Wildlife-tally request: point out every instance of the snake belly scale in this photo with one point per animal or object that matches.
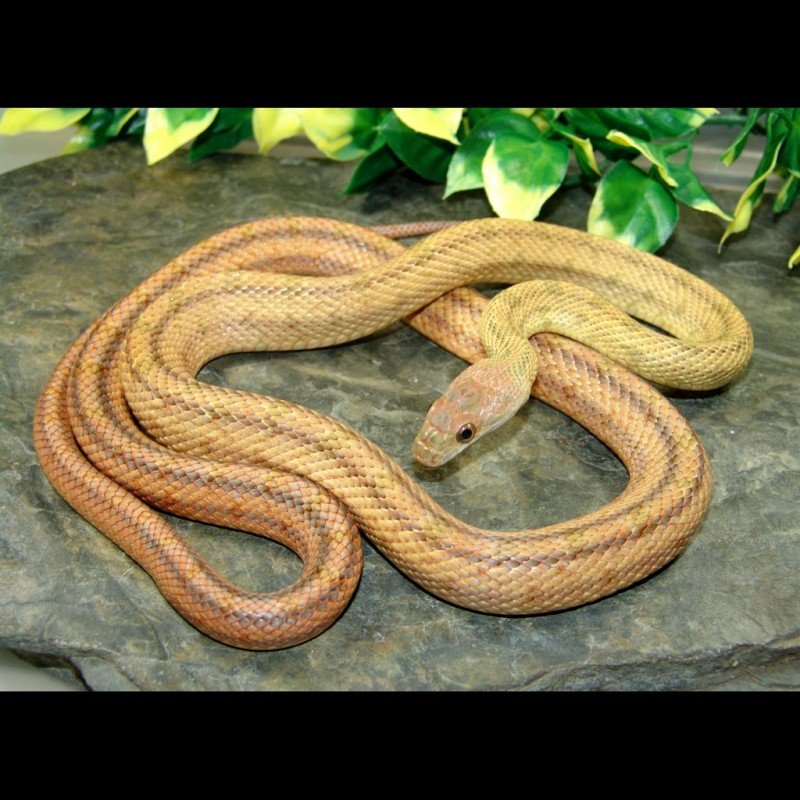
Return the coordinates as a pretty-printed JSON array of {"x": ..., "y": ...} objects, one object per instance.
[{"x": 264, "y": 465}]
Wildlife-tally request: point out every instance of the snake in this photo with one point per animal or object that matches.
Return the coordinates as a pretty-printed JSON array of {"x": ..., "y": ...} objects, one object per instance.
[{"x": 124, "y": 427}]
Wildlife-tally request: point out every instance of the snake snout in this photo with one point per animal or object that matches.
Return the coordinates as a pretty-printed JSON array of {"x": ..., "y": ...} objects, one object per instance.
[{"x": 425, "y": 455}]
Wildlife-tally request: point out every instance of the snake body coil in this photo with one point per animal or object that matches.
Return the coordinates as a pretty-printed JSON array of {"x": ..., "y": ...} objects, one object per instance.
[{"x": 267, "y": 466}]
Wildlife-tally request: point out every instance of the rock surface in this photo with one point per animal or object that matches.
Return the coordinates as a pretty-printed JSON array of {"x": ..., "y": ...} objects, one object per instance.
[{"x": 79, "y": 231}]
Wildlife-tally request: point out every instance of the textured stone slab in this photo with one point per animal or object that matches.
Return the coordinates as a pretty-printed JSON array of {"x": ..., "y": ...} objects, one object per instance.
[{"x": 78, "y": 232}]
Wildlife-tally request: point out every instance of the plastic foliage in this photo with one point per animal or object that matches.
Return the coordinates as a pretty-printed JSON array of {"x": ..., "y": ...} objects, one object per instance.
[{"x": 637, "y": 161}]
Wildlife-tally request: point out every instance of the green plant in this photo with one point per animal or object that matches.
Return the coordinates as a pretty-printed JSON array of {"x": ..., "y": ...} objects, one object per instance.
[{"x": 518, "y": 156}]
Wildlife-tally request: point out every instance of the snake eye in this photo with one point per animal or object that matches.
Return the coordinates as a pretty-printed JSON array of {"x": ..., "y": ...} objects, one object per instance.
[{"x": 465, "y": 433}]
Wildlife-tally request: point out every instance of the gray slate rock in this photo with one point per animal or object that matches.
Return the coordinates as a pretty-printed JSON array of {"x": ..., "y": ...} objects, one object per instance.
[{"x": 79, "y": 231}]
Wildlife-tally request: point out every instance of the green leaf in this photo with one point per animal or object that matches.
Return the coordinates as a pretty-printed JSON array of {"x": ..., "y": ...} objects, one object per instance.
[
  {"x": 632, "y": 207},
  {"x": 591, "y": 124},
  {"x": 167, "y": 129},
  {"x": 680, "y": 180},
  {"x": 734, "y": 150},
  {"x": 598, "y": 122},
  {"x": 751, "y": 196},
  {"x": 786, "y": 195},
  {"x": 475, "y": 115},
  {"x": 426, "y": 155},
  {"x": 790, "y": 152},
  {"x": 100, "y": 126},
  {"x": 374, "y": 166},
  {"x": 688, "y": 190},
  {"x": 647, "y": 124},
  {"x": 669, "y": 123},
  {"x": 441, "y": 123},
  {"x": 342, "y": 133},
  {"x": 231, "y": 126},
  {"x": 136, "y": 124},
  {"x": 520, "y": 174},
  {"x": 24, "y": 120},
  {"x": 466, "y": 167}
]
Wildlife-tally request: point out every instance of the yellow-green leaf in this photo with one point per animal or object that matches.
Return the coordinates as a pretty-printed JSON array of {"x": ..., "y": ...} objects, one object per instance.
[
  {"x": 167, "y": 129},
  {"x": 442, "y": 123},
  {"x": 23, "y": 120},
  {"x": 699, "y": 118},
  {"x": 82, "y": 140},
  {"x": 585, "y": 146},
  {"x": 749, "y": 201},
  {"x": 584, "y": 151},
  {"x": 334, "y": 131},
  {"x": 273, "y": 125},
  {"x": 795, "y": 259},
  {"x": 465, "y": 170},
  {"x": 650, "y": 152},
  {"x": 519, "y": 175}
]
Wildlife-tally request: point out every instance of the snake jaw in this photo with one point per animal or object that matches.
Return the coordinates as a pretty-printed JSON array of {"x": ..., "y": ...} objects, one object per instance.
[{"x": 425, "y": 454}]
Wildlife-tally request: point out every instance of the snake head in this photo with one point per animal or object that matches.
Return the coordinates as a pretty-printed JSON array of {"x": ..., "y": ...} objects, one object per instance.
[{"x": 480, "y": 399}]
